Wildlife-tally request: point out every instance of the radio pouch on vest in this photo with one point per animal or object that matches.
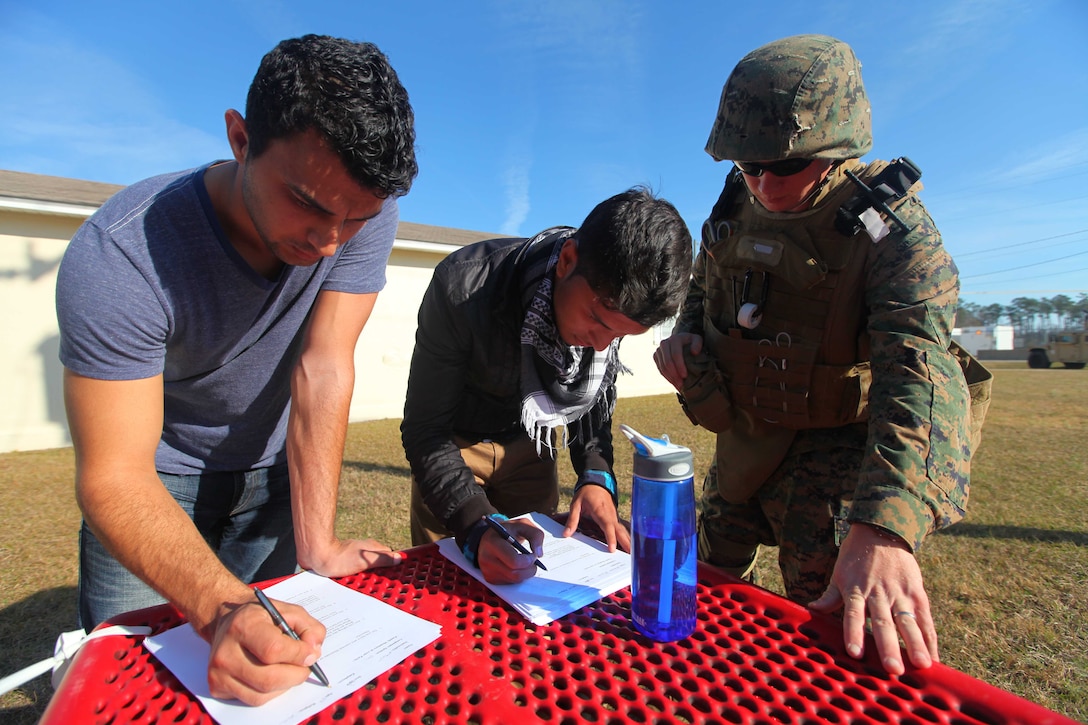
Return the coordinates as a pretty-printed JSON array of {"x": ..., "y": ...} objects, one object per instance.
[{"x": 864, "y": 210}]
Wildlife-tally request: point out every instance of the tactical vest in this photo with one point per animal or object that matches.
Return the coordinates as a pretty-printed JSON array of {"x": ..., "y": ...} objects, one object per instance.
[{"x": 804, "y": 364}]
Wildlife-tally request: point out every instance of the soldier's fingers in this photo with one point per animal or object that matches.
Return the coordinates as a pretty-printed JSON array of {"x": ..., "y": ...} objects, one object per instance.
[
  {"x": 678, "y": 361},
  {"x": 886, "y": 637},
  {"x": 913, "y": 640},
  {"x": 666, "y": 365},
  {"x": 853, "y": 623}
]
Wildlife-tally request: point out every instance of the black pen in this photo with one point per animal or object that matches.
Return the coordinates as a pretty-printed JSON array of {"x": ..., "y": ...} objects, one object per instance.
[
  {"x": 501, "y": 530},
  {"x": 283, "y": 625}
]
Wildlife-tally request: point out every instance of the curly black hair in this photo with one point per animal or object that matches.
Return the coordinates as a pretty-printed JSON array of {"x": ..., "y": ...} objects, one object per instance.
[{"x": 348, "y": 92}]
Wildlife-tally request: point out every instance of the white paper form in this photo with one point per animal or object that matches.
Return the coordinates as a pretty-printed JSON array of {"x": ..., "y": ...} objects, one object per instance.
[
  {"x": 580, "y": 571},
  {"x": 364, "y": 637}
]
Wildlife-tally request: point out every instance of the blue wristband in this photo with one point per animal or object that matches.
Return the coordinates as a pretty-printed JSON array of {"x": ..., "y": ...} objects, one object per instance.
[
  {"x": 471, "y": 548},
  {"x": 604, "y": 479}
]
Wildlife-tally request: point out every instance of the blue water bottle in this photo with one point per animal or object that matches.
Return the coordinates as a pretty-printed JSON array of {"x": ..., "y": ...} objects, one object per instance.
[{"x": 663, "y": 551}]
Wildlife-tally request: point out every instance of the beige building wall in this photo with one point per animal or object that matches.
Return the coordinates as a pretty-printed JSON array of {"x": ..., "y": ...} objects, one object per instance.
[
  {"x": 39, "y": 214},
  {"x": 31, "y": 404}
]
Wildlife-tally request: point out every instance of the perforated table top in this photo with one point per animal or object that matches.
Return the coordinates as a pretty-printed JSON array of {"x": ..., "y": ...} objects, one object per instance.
[{"x": 753, "y": 658}]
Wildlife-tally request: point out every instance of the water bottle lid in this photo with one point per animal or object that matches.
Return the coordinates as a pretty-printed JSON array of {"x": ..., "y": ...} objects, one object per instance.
[{"x": 659, "y": 458}]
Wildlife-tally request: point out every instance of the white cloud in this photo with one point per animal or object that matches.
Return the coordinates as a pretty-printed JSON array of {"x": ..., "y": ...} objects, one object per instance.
[
  {"x": 1052, "y": 157},
  {"x": 515, "y": 183}
]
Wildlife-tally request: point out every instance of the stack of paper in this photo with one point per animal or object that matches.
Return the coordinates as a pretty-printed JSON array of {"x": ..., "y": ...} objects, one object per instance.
[
  {"x": 364, "y": 637},
  {"x": 580, "y": 571}
]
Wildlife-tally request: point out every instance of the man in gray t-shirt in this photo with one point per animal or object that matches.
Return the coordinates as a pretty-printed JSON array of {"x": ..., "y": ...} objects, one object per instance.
[{"x": 208, "y": 326}]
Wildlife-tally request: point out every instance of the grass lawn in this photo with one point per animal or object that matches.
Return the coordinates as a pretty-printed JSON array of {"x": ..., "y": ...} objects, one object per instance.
[{"x": 1009, "y": 586}]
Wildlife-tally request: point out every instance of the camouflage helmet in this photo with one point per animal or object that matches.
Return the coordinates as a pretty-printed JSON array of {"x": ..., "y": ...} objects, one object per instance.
[{"x": 798, "y": 97}]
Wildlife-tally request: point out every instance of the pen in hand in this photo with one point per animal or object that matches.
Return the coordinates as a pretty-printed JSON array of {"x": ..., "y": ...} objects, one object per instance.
[
  {"x": 286, "y": 628},
  {"x": 501, "y": 531}
]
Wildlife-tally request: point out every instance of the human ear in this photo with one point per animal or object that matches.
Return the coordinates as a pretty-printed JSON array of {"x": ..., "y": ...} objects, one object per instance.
[
  {"x": 568, "y": 258},
  {"x": 237, "y": 134}
]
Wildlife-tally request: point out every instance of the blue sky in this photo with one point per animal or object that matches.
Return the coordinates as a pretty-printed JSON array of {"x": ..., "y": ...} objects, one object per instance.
[{"x": 529, "y": 113}]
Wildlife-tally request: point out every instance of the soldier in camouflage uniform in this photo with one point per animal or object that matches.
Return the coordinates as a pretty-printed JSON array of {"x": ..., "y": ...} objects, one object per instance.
[{"x": 816, "y": 344}]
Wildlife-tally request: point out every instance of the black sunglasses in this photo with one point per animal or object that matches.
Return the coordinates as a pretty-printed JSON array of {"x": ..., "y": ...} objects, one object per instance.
[{"x": 786, "y": 167}]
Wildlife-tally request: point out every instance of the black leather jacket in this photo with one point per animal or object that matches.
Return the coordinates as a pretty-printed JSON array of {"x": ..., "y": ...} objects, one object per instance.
[{"x": 465, "y": 375}]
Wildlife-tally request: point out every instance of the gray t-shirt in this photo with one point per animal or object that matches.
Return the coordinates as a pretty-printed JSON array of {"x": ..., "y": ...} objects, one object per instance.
[{"x": 150, "y": 284}]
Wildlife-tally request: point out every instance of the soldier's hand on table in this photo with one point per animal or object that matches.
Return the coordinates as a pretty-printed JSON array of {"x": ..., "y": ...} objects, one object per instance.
[
  {"x": 501, "y": 563},
  {"x": 669, "y": 356},
  {"x": 596, "y": 502},
  {"x": 345, "y": 557},
  {"x": 877, "y": 577},
  {"x": 252, "y": 660}
]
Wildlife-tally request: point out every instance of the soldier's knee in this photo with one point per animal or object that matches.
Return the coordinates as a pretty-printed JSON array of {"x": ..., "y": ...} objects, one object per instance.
[{"x": 736, "y": 558}]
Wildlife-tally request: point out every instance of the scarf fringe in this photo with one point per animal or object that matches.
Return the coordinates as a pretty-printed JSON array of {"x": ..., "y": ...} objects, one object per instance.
[{"x": 553, "y": 433}]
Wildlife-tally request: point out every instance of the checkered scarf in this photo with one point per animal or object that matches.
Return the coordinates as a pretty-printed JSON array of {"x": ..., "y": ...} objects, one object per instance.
[{"x": 566, "y": 392}]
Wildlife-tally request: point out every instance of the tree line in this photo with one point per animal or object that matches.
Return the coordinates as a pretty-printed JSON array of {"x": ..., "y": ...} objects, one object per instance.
[{"x": 1027, "y": 314}]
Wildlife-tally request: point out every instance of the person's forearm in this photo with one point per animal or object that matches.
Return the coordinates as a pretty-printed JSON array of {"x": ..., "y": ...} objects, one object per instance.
[
  {"x": 138, "y": 521},
  {"x": 915, "y": 476},
  {"x": 316, "y": 430},
  {"x": 594, "y": 453},
  {"x": 116, "y": 427},
  {"x": 445, "y": 482}
]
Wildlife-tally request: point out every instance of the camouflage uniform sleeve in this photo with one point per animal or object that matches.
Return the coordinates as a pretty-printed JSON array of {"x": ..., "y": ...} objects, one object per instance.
[
  {"x": 690, "y": 318},
  {"x": 914, "y": 477}
]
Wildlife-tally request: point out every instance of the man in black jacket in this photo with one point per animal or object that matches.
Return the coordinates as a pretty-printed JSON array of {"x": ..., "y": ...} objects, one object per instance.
[{"x": 516, "y": 358}]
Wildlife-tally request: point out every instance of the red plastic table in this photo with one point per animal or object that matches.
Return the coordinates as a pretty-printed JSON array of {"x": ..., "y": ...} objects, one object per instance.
[{"x": 754, "y": 658}]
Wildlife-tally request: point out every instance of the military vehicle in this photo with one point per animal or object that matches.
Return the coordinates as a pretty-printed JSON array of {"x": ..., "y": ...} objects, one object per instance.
[{"x": 1068, "y": 348}]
